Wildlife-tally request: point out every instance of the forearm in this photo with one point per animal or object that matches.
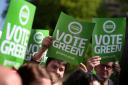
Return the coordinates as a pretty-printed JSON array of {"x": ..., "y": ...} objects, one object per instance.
[{"x": 37, "y": 56}]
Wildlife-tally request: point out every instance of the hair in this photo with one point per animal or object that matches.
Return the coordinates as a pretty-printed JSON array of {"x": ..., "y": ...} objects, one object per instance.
[
  {"x": 116, "y": 73},
  {"x": 49, "y": 59},
  {"x": 79, "y": 77},
  {"x": 116, "y": 67},
  {"x": 32, "y": 72},
  {"x": 92, "y": 77}
]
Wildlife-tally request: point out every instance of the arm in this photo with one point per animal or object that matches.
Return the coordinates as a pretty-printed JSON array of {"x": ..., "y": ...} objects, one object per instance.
[{"x": 46, "y": 43}]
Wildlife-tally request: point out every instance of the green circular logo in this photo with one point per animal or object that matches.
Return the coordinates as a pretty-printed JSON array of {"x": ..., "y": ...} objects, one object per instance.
[
  {"x": 38, "y": 37},
  {"x": 109, "y": 26},
  {"x": 24, "y": 15},
  {"x": 75, "y": 27}
]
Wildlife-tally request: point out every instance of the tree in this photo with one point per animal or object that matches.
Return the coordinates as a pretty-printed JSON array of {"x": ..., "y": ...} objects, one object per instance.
[
  {"x": 48, "y": 11},
  {"x": 81, "y": 9}
]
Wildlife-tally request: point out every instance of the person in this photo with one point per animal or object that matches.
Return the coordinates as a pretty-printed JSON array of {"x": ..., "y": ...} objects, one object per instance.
[
  {"x": 46, "y": 43},
  {"x": 103, "y": 70},
  {"x": 80, "y": 77},
  {"x": 58, "y": 67},
  {"x": 9, "y": 76},
  {"x": 34, "y": 74},
  {"x": 116, "y": 73},
  {"x": 52, "y": 65}
]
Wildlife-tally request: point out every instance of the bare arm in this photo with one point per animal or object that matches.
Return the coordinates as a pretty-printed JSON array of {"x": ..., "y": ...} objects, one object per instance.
[{"x": 46, "y": 43}]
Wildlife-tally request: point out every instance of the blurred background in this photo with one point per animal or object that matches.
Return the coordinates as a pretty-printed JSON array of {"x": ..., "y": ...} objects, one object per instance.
[{"x": 48, "y": 11}]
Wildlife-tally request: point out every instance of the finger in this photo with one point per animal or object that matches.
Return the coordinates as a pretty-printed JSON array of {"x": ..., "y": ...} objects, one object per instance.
[
  {"x": 83, "y": 67},
  {"x": 93, "y": 64},
  {"x": 50, "y": 38},
  {"x": 96, "y": 63},
  {"x": 47, "y": 42},
  {"x": 95, "y": 57},
  {"x": 94, "y": 60}
]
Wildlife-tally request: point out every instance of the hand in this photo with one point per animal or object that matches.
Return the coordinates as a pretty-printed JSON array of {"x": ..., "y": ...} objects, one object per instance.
[
  {"x": 93, "y": 62},
  {"x": 83, "y": 67},
  {"x": 47, "y": 42}
]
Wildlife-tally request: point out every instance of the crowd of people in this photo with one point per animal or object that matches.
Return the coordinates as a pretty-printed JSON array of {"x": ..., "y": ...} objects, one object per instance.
[{"x": 93, "y": 72}]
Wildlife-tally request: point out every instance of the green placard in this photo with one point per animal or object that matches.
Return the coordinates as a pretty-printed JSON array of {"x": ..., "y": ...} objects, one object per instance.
[
  {"x": 35, "y": 42},
  {"x": 16, "y": 32},
  {"x": 71, "y": 39},
  {"x": 108, "y": 38}
]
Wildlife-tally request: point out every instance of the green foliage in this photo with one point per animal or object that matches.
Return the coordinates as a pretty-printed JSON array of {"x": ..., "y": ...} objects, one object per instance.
[
  {"x": 101, "y": 11},
  {"x": 81, "y": 9},
  {"x": 113, "y": 8},
  {"x": 48, "y": 11},
  {"x": 123, "y": 1}
]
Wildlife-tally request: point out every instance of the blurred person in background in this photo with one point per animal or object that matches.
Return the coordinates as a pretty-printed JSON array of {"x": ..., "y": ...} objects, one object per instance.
[
  {"x": 103, "y": 70},
  {"x": 80, "y": 77},
  {"x": 34, "y": 74},
  {"x": 52, "y": 65},
  {"x": 9, "y": 76}
]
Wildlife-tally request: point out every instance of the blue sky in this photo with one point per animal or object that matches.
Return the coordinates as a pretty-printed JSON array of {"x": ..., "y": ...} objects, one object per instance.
[{"x": 3, "y": 5}]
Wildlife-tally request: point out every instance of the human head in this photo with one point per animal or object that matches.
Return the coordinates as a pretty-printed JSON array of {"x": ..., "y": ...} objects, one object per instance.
[
  {"x": 9, "y": 76},
  {"x": 56, "y": 66},
  {"x": 34, "y": 74},
  {"x": 93, "y": 79},
  {"x": 104, "y": 70},
  {"x": 95, "y": 82},
  {"x": 78, "y": 77}
]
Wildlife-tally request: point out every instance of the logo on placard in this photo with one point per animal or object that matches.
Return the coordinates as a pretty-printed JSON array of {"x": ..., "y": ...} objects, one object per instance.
[
  {"x": 38, "y": 37},
  {"x": 75, "y": 27},
  {"x": 24, "y": 15},
  {"x": 109, "y": 26}
]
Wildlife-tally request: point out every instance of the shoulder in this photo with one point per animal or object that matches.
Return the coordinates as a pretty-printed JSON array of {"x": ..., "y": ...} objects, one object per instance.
[{"x": 110, "y": 82}]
